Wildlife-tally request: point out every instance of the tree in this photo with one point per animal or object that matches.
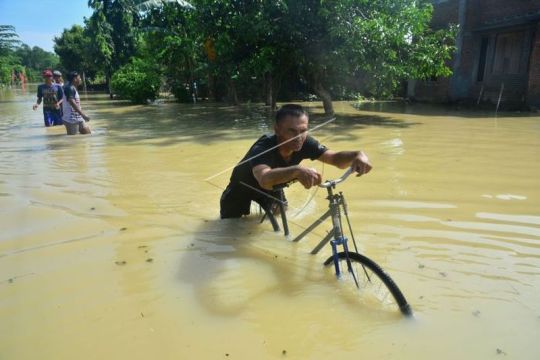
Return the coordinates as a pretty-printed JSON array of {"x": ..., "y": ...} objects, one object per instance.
[
  {"x": 247, "y": 44},
  {"x": 137, "y": 81},
  {"x": 174, "y": 42},
  {"x": 36, "y": 58},
  {"x": 8, "y": 39},
  {"x": 72, "y": 48},
  {"x": 381, "y": 42},
  {"x": 332, "y": 46},
  {"x": 247, "y": 48},
  {"x": 112, "y": 26},
  {"x": 390, "y": 41}
]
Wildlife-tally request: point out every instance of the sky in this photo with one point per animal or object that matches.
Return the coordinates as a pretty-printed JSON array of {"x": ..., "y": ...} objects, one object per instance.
[{"x": 38, "y": 21}]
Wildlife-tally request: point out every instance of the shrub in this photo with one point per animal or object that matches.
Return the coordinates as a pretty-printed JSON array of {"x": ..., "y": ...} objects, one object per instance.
[
  {"x": 5, "y": 73},
  {"x": 138, "y": 81},
  {"x": 181, "y": 91}
]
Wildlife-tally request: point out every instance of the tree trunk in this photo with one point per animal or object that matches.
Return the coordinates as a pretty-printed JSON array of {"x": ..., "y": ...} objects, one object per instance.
[
  {"x": 268, "y": 89},
  {"x": 276, "y": 85},
  {"x": 211, "y": 87},
  {"x": 325, "y": 97},
  {"x": 84, "y": 81},
  {"x": 233, "y": 95},
  {"x": 108, "y": 81}
]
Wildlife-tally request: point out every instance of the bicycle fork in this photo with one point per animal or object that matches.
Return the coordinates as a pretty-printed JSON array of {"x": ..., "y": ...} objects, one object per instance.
[{"x": 341, "y": 240}]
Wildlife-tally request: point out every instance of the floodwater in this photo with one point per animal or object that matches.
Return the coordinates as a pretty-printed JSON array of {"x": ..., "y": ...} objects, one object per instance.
[{"x": 111, "y": 247}]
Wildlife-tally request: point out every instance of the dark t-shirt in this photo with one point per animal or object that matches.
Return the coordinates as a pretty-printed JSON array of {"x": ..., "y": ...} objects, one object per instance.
[
  {"x": 50, "y": 95},
  {"x": 311, "y": 149},
  {"x": 244, "y": 188}
]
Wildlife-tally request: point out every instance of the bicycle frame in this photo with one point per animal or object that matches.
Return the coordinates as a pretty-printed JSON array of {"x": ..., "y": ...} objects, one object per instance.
[{"x": 336, "y": 237}]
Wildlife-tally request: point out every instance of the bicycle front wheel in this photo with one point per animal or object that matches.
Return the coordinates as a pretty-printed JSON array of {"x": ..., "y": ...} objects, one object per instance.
[{"x": 370, "y": 282}]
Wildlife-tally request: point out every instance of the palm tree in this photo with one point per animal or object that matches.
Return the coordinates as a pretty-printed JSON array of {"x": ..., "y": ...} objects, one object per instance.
[{"x": 8, "y": 39}]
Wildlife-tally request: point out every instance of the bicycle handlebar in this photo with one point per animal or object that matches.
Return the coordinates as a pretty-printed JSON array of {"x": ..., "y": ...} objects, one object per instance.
[
  {"x": 326, "y": 184},
  {"x": 332, "y": 183}
]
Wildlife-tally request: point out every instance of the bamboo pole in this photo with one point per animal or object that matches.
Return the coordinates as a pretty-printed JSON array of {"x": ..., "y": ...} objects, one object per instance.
[
  {"x": 500, "y": 96},
  {"x": 480, "y": 95}
]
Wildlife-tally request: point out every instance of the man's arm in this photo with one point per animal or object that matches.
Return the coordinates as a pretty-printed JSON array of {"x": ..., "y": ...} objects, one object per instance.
[
  {"x": 268, "y": 177},
  {"x": 358, "y": 160},
  {"x": 77, "y": 108},
  {"x": 39, "y": 97},
  {"x": 59, "y": 95}
]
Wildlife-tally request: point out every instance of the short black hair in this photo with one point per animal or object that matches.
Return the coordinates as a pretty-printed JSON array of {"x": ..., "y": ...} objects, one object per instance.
[
  {"x": 72, "y": 75},
  {"x": 290, "y": 110}
]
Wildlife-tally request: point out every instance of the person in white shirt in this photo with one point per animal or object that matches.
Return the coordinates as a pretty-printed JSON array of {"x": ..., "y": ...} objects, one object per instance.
[{"x": 74, "y": 118}]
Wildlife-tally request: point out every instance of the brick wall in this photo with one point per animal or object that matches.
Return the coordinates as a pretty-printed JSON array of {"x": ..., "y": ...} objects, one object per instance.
[
  {"x": 493, "y": 11},
  {"x": 436, "y": 91},
  {"x": 444, "y": 13},
  {"x": 533, "y": 93},
  {"x": 483, "y": 14}
]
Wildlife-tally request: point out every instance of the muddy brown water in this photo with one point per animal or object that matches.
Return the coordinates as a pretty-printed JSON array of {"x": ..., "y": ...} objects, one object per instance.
[{"x": 111, "y": 245}]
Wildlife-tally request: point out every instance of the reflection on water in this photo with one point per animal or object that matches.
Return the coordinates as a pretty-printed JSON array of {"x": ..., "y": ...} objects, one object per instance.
[{"x": 111, "y": 242}]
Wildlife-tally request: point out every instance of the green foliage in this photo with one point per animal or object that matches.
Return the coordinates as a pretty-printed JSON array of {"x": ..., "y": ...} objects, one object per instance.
[
  {"x": 20, "y": 58},
  {"x": 8, "y": 41},
  {"x": 114, "y": 33},
  {"x": 5, "y": 72},
  {"x": 147, "y": 5},
  {"x": 173, "y": 40},
  {"x": 253, "y": 49},
  {"x": 36, "y": 58},
  {"x": 137, "y": 81},
  {"x": 72, "y": 48}
]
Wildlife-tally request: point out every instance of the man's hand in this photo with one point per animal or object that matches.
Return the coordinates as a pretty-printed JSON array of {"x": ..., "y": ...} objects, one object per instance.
[
  {"x": 35, "y": 106},
  {"x": 85, "y": 117},
  {"x": 308, "y": 177},
  {"x": 361, "y": 164}
]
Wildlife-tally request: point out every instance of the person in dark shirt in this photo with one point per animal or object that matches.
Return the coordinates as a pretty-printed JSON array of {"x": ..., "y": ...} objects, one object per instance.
[
  {"x": 51, "y": 95},
  {"x": 266, "y": 164}
]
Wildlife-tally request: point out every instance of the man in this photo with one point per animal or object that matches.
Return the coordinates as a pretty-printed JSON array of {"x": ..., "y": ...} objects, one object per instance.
[
  {"x": 262, "y": 168},
  {"x": 74, "y": 118},
  {"x": 58, "y": 81},
  {"x": 51, "y": 95},
  {"x": 57, "y": 76}
]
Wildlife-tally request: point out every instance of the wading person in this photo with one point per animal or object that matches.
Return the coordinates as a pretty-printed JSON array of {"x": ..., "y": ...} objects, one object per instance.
[
  {"x": 59, "y": 81},
  {"x": 261, "y": 169},
  {"x": 75, "y": 120},
  {"x": 51, "y": 95},
  {"x": 57, "y": 76}
]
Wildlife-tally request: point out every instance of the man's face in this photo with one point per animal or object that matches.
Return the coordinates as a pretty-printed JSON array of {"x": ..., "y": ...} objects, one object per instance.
[
  {"x": 76, "y": 80},
  {"x": 288, "y": 128},
  {"x": 48, "y": 79}
]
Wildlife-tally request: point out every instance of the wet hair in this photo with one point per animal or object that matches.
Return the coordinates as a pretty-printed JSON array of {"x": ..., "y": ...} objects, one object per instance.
[
  {"x": 72, "y": 75},
  {"x": 294, "y": 110}
]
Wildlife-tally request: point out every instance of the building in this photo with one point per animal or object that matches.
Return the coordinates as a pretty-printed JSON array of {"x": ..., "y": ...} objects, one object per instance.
[{"x": 498, "y": 53}]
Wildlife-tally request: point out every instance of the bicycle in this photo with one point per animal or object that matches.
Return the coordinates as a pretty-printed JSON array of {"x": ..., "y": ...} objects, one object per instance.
[{"x": 365, "y": 273}]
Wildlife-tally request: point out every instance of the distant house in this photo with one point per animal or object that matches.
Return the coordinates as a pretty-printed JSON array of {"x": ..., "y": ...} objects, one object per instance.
[{"x": 498, "y": 53}]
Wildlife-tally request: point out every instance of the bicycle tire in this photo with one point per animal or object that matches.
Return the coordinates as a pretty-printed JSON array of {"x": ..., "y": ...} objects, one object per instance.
[{"x": 364, "y": 280}]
